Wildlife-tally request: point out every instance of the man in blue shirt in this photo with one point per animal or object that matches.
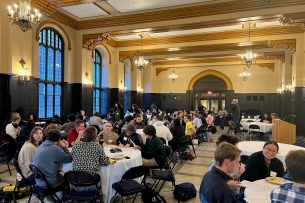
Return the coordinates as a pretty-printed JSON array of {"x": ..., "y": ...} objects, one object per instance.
[
  {"x": 295, "y": 191},
  {"x": 214, "y": 187}
]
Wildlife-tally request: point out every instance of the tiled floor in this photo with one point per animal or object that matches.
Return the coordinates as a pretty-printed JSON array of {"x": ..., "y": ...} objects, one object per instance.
[{"x": 187, "y": 171}]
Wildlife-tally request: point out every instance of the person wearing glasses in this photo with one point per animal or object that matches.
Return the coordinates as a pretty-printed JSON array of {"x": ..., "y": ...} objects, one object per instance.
[{"x": 263, "y": 164}]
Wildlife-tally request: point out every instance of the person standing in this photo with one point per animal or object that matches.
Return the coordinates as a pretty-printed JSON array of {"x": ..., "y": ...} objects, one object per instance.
[
  {"x": 118, "y": 112},
  {"x": 222, "y": 115},
  {"x": 235, "y": 111}
]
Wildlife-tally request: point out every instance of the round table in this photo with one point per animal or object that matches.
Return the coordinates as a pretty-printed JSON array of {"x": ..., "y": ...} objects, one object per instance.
[
  {"x": 113, "y": 173},
  {"x": 261, "y": 188},
  {"x": 264, "y": 127},
  {"x": 249, "y": 147},
  {"x": 243, "y": 120}
]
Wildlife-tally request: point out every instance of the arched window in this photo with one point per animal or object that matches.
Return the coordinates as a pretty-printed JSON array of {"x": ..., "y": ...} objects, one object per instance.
[
  {"x": 50, "y": 69},
  {"x": 97, "y": 81}
]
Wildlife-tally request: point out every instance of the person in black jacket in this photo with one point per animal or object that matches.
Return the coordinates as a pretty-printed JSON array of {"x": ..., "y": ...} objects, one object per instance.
[
  {"x": 266, "y": 118},
  {"x": 129, "y": 138},
  {"x": 177, "y": 132},
  {"x": 263, "y": 164}
]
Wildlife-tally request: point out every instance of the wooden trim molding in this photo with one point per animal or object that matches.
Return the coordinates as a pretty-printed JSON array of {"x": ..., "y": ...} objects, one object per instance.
[
  {"x": 211, "y": 72},
  {"x": 41, "y": 25},
  {"x": 159, "y": 70},
  {"x": 108, "y": 52}
]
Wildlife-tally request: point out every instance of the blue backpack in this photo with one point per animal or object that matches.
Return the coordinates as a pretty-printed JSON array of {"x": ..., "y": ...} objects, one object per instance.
[{"x": 184, "y": 192}]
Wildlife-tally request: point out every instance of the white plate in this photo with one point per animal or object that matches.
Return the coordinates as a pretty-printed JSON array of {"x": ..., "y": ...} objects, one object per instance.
[
  {"x": 277, "y": 180},
  {"x": 117, "y": 156}
]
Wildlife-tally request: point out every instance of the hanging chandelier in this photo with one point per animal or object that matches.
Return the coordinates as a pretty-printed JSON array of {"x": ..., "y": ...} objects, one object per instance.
[
  {"x": 173, "y": 76},
  {"x": 21, "y": 15},
  {"x": 244, "y": 75},
  {"x": 249, "y": 57},
  {"x": 141, "y": 63}
]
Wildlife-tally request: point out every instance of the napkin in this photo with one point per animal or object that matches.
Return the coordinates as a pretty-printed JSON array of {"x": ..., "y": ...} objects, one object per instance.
[
  {"x": 116, "y": 150},
  {"x": 112, "y": 161}
]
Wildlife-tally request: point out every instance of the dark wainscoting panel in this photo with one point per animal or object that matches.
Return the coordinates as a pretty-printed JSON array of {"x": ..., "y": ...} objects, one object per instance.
[
  {"x": 113, "y": 97},
  {"x": 149, "y": 98},
  {"x": 87, "y": 100},
  {"x": 139, "y": 101},
  {"x": 133, "y": 98},
  {"x": 299, "y": 109},
  {"x": 127, "y": 100},
  {"x": 271, "y": 103},
  {"x": 174, "y": 101},
  {"x": 67, "y": 105},
  {"x": 76, "y": 97},
  {"x": 5, "y": 101},
  {"x": 105, "y": 101}
]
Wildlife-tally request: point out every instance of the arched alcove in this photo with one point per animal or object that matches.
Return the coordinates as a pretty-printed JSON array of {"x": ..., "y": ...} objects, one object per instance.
[{"x": 210, "y": 72}]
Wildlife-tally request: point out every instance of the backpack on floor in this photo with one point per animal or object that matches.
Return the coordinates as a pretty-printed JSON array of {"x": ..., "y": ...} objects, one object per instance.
[{"x": 184, "y": 192}]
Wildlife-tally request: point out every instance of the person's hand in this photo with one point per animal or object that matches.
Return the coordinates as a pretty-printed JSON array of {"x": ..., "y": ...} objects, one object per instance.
[
  {"x": 137, "y": 147},
  {"x": 105, "y": 144},
  {"x": 241, "y": 170},
  {"x": 234, "y": 184},
  {"x": 121, "y": 145},
  {"x": 127, "y": 145}
]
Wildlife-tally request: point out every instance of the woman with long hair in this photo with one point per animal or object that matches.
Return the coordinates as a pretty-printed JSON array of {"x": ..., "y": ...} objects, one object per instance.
[
  {"x": 118, "y": 112},
  {"x": 27, "y": 152},
  {"x": 110, "y": 137},
  {"x": 135, "y": 109}
]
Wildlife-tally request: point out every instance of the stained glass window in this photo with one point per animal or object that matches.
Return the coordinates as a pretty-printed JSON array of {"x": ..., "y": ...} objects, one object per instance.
[
  {"x": 50, "y": 68},
  {"x": 97, "y": 81}
]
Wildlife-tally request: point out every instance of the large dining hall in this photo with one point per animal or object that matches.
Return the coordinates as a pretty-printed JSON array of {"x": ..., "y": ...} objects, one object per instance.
[{"x": 198, "y": 101}]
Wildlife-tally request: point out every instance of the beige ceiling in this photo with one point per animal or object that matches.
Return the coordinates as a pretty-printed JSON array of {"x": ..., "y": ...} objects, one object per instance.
[{"x": 191, "y": 30}]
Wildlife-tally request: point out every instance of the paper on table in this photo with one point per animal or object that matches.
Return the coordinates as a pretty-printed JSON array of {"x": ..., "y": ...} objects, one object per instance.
[
  {"x": 258, "y": 200},
  {"x": 257, "y": 188}
]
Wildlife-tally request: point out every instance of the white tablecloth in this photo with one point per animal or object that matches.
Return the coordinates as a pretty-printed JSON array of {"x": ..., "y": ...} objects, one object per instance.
[
  {"x": 140, "y": 132},
  {"x": 252, "y": 119},
  {"x": 264, "y": 127},
  {"x": 113, "y": 173},
  {"x": 249, "y": 147},
  {"x": 263, "y": 185}
]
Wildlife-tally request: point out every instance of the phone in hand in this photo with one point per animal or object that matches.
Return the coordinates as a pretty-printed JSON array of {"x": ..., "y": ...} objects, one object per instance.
[{"x": 127, "y": 157}]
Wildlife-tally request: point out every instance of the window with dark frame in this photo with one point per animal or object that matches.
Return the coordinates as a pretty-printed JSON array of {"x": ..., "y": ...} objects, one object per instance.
[
  {"x": 50, "y": 72},
  {"x": 97, "y": 81},
  {"x": 248, "y": 98},
  {"x": 255, "y": 98}
]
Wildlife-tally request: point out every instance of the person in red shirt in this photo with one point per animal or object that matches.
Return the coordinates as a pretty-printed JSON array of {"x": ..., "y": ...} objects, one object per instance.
[{"x": 76, "y": 134}]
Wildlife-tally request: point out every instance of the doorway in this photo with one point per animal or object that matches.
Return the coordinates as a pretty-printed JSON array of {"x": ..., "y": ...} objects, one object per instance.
[{"x": 212, "y": 101}]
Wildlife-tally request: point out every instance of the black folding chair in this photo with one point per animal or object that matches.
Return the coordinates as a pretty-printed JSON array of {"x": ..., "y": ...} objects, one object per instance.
[
  {"x": 127, "y": 185},
  {"x": 200, "y": 133},
  {"x": 243, "y": 160},
  {"x": 81, "y": 179},
  {"x": 4, "y": 157},
  {"x": 254, "y": 130},
  {"x": 20, "y": 142},
  {"x": 241, "y": 132},
  {"x": 42, "y": 192},
  {"x": 165, "y": 175},
  {"x": 183, "y": 146},
  {"x": 22, "y": 183}
]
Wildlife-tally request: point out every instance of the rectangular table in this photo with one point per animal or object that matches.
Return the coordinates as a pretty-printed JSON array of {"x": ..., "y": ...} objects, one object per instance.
[{"x": 264, "y": 127}]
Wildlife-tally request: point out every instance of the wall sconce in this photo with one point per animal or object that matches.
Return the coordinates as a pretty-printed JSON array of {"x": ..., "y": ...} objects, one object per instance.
[
  {"x": 25, "y": 76},
  {"x": 88, "y": 83},
  {"x": 280, "y": 91},
  {"x": 139, "y": 88},
  {"x": 122, "y": 87},
  {"x": 289, "y": 88}
]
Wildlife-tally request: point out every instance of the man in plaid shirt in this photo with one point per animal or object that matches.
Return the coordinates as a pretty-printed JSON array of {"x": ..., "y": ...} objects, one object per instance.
[{"x": 295, "y": 191}]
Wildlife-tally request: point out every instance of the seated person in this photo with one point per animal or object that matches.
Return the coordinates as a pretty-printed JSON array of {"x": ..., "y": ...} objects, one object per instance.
[
  {"x": 82, "y": 156},
  {"x": 295, "y": 191},
  {"x": 13, "y": 128},
  {"x": 138, "y": 122},
  {"x": 210, "y": 119},
  {"x": 109, "y": 137},
  {"x": 126, "y": 121},
  {"x": 130, "y": 137},
  {"x": 233, "y": 140},
  {"x": 266, "y": 118},
  {"x": 96, "y": 120},
  {"x": 274, "y": 116},
  {"x": 263, "y": 164},
  {"x": 167, "y": 121},
  {"x": 70, "y": 125},
  {"x": 214, "y": 185},
  {"x": 153, "y": 152},
  {"x": 56, "y": 120},
  {"x": 76, "y": 134},
  {"x": 49, "y": 157},
  {"x": 128, "y": 113},
  {"x": 27, "y": 128},
  {"x": 197, "y": 121},
  {"x": 162, "y": 131},
  {"x": 26, "y": 154},
  {"x": 189, "y": 129},
  {"x": 177, "y": 132}
]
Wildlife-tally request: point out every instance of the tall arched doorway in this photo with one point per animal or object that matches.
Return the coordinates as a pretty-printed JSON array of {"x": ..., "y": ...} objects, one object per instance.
[{"x": 210, "y": 89}]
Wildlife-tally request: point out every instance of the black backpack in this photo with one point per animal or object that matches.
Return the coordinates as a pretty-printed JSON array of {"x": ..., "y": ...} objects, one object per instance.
[
  {"x": 184, "y": 192},
  {"x": 150, "y": 195}
]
